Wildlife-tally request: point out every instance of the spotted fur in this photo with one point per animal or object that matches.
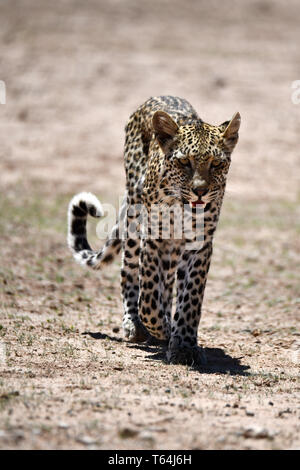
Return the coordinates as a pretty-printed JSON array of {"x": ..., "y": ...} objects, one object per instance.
[{"x": 172, "y": 159}]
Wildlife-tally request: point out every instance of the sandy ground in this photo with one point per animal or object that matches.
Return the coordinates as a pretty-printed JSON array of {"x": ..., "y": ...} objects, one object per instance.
[{"x": 74, "y": 73}]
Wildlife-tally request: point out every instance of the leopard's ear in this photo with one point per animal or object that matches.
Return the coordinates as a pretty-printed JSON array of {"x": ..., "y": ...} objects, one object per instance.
[
  {"x": 165, "y": 128},
  {"x": 233, "y": 127},
  {"x": 231, "y": 132}
]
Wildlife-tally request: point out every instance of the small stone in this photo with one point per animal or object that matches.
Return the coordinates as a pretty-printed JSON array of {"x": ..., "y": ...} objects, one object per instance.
[
  {"x": 256, "y": 332},
  {"x": 127, "y": 433},
  {"x": 256, "y": 432},
  {"x": 147, "y": 436},
  {"x": 86, "y": 440},
  {"x": 63, "y": 425}
]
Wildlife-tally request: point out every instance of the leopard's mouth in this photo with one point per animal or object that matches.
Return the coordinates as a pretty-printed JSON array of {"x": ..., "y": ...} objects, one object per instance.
[
  {"x": 194, "y": 199},
  {"x": 196, "y": 203},
  {"x": 199, "y": 201}
]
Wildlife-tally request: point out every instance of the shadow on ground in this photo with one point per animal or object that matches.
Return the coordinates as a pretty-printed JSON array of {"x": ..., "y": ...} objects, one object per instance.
[
  {"x": 218, "y": 362},
  {"x": 99, "y": 335}
]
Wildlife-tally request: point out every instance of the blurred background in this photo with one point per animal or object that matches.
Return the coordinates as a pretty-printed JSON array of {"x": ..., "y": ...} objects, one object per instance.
[{"x": 74, "y": 72}]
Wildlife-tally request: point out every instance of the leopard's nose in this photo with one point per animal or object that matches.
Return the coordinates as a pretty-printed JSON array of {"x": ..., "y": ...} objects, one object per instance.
[
  {"x": 200, "y": 192},
  {"x": 200, "y": 187}
]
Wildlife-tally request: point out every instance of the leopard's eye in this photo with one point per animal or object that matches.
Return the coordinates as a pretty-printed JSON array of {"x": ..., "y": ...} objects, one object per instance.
[
  {"x": 185, "y": 162},
  {"x": 216, "y": 163}
]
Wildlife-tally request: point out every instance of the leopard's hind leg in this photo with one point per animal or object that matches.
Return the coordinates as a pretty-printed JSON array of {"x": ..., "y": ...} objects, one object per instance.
[{"x": 133, "y": 328}]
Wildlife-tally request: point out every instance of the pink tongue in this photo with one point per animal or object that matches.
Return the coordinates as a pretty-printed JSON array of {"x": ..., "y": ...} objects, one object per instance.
[{"x": 197, "y": 202}]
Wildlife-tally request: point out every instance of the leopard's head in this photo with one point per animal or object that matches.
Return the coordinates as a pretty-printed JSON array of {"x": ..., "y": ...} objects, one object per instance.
[{"x": 195, "y": 158}]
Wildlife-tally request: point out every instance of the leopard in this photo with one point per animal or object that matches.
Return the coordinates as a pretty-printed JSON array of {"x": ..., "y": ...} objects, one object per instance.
[{"x": 172, "y": 159}]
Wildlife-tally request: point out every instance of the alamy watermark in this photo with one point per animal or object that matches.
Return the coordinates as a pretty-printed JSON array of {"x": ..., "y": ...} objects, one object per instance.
[
  {"x": 161, "y": 222},
  {"x": 2, "y": 353},
  {"x": 2, "y": 92},
  {"x": 295, "y": 97},
  {"x": 295, "y": 355}
]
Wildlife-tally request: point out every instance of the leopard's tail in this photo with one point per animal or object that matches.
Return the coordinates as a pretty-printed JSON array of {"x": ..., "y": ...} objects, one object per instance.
[{"x": 82, "y": 205}]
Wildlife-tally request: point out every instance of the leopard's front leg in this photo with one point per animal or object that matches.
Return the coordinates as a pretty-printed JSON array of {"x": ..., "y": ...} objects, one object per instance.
[
  {"x": 133, "y": 329},
  {"x": 158, "y": 262},
  {"x": 191, "y": 279}
]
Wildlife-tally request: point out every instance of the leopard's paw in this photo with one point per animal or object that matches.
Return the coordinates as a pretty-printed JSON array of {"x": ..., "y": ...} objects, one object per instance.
[
  {"x": 135, "y": 332},
  {"x": 191, "y": 356}
]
